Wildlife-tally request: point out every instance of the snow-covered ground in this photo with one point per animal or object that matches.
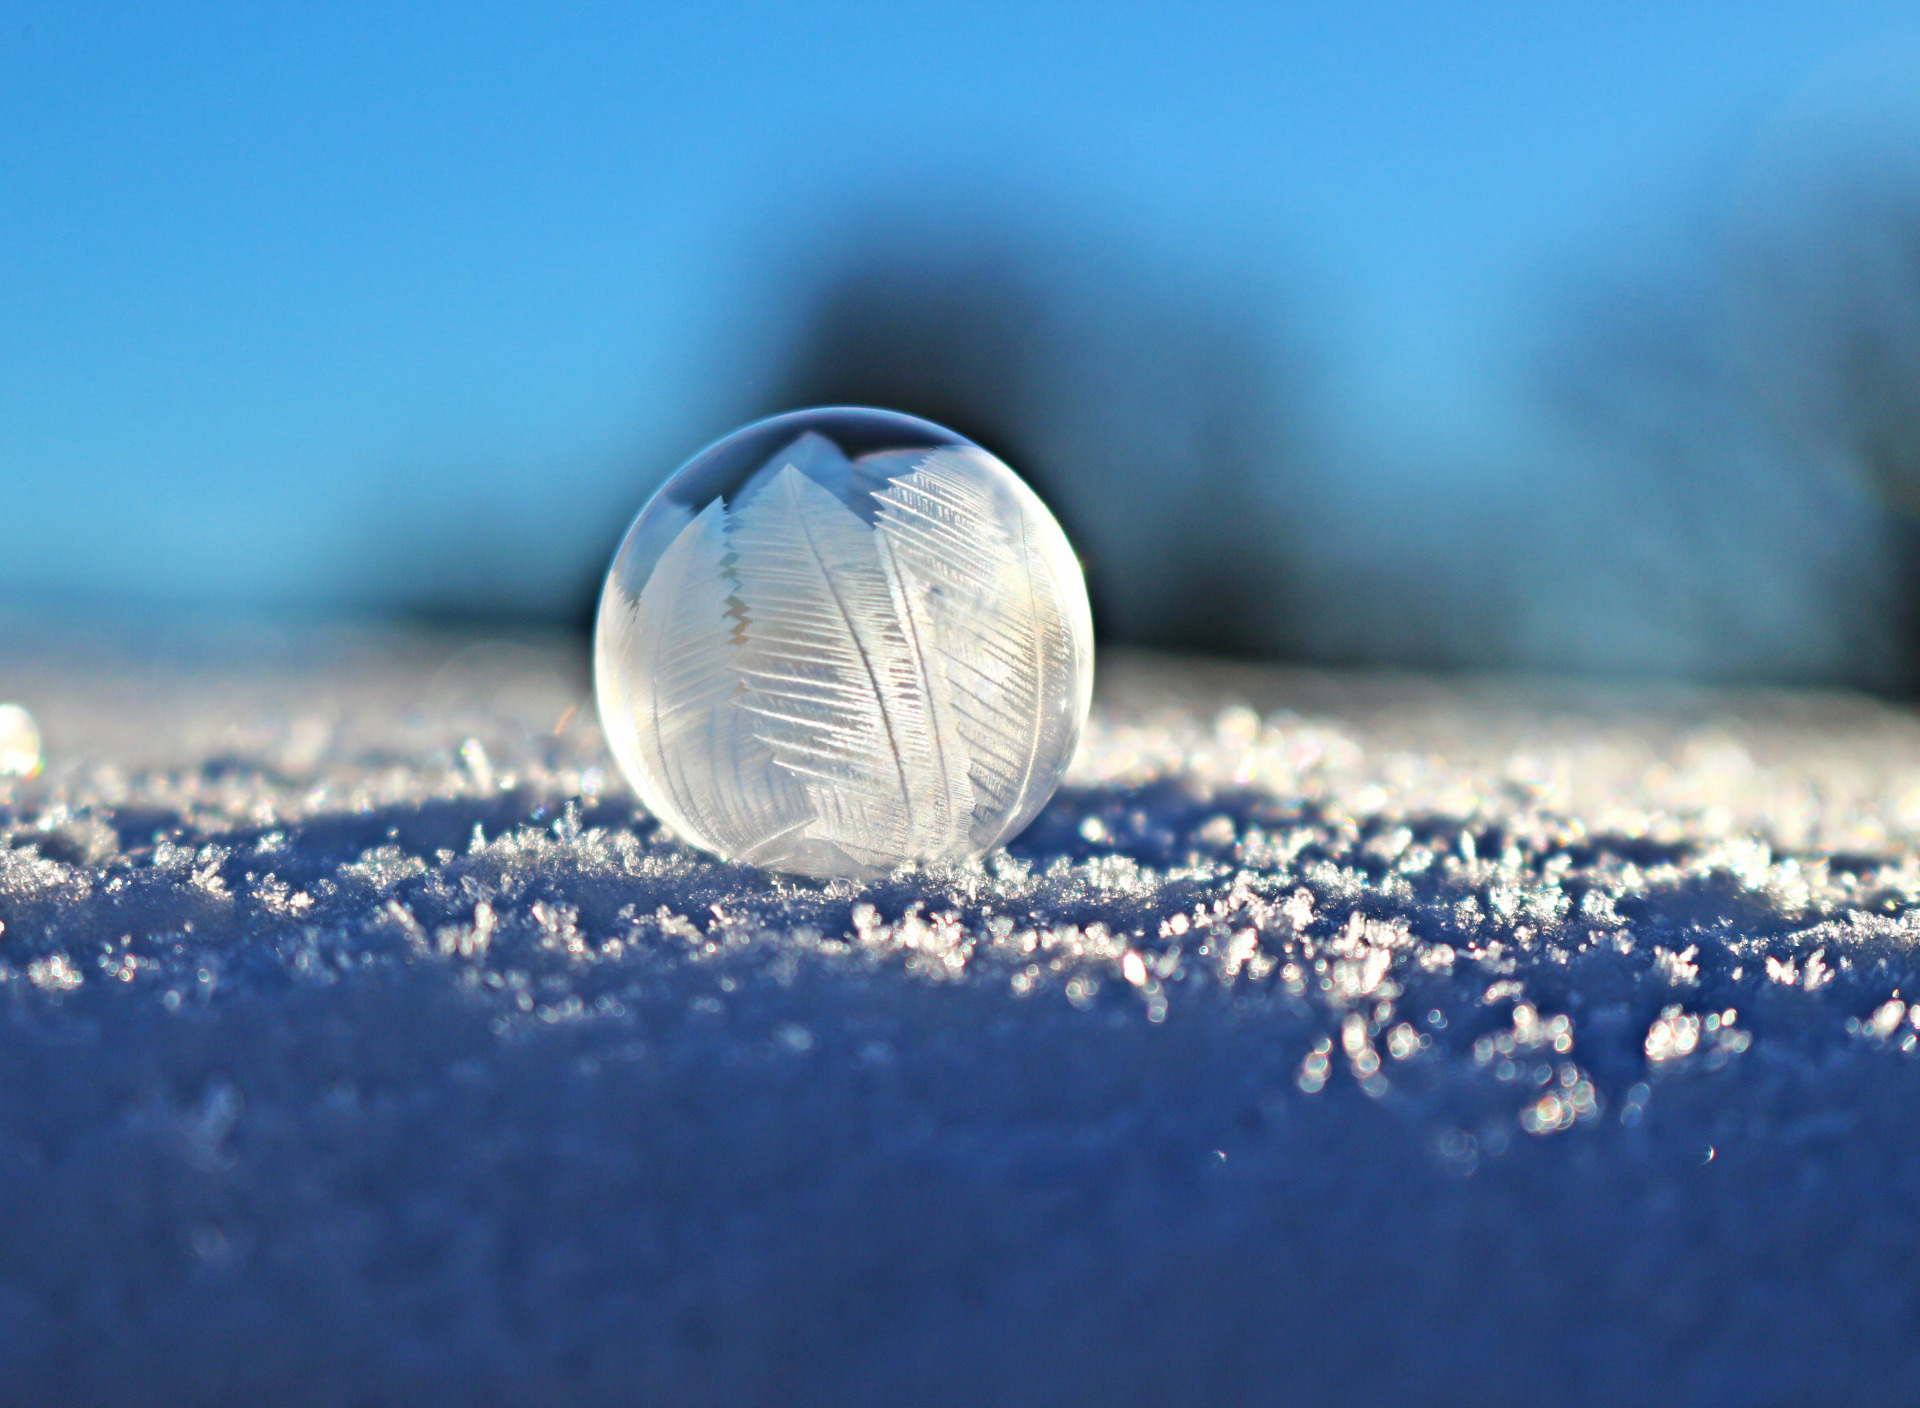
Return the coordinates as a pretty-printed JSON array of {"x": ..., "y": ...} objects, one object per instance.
[{"x": 1328, "y": 1040}]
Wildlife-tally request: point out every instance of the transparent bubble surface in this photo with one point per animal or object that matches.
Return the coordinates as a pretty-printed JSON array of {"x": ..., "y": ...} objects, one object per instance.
[{"x": 840, "y": 641}]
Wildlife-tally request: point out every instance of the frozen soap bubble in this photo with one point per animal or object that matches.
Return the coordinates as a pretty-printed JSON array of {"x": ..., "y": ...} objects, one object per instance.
[
  {"x": 19, "y": 742},
  {"x": 842, "y": 640}
]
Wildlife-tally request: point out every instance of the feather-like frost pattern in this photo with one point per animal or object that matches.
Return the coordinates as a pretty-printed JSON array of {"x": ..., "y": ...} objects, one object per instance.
[
  {"x": 848, "y": 664},
  {"x": 1004, "y": 657},
  {"x": 946, "y": 832},
  {"x": 834, "y": 678},
  {"x": 713, "y": 779},
  {"x": 814, "y": 456}
]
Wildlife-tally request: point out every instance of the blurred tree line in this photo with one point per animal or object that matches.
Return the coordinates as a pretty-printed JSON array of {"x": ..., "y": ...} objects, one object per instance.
[
  {"x": 1725, "y": 482},
  {"x": 1136, "y": 409}
]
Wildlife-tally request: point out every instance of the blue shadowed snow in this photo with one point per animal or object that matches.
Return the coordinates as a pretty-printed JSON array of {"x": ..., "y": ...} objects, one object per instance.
[{"x": 1328, "y": 1040}]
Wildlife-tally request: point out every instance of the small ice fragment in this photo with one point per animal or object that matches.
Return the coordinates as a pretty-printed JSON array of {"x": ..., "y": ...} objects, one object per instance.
[
  {"x": 477, "y": 764},
  {"x": 19, "y": 742},
  {"x": 793, "y": 1037}
]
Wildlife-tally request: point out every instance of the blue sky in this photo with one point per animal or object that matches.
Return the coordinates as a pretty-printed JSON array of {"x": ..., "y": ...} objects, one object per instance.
[{"x": 272, "y": 275}]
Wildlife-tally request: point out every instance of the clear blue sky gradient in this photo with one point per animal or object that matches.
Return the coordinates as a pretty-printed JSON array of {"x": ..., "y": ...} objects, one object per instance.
[{"x": 271, "y": 275}]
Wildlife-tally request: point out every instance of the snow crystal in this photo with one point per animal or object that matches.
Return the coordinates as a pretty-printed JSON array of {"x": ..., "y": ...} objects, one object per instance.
[
  {"x": 19, "y": 742},
  {"x": 1327, "y": 1039}
]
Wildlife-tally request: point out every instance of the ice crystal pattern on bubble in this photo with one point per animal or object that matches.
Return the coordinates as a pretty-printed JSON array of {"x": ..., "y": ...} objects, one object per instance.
[{"x": 802, "y": 689}]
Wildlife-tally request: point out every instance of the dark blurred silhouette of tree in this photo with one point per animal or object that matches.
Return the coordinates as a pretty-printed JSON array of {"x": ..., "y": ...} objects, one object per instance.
[
  {"x": 1149, "y": 413},
  {"x": 1827, "y": 323},
  {"x": 1830, "y": 318},
  {"x": 1686, "y": 536},
  {"x": 1740, "y": 492}
]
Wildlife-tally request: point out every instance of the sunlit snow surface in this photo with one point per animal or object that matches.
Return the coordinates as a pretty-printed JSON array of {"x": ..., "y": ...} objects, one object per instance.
[{"x": 1327, "y": 1040}]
